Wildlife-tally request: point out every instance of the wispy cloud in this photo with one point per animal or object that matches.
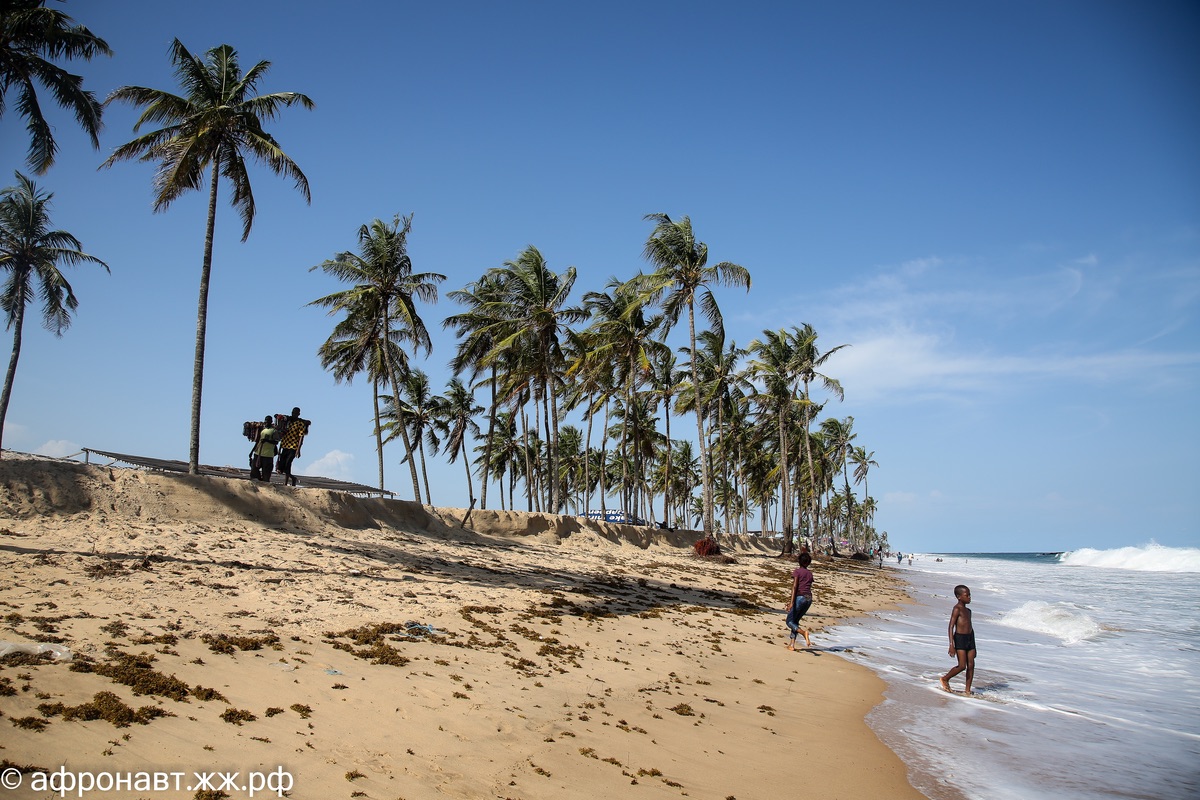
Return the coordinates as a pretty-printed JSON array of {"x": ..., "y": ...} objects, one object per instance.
[
  {"x": 58, "y": 448},
  {"x": 912, "y": 365},
  {"x": 961, "y": 329},
  {"x": 336, "y": 464}
]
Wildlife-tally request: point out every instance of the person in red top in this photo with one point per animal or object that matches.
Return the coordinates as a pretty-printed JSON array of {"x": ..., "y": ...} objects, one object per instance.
[{"x": 802, "y": 580}]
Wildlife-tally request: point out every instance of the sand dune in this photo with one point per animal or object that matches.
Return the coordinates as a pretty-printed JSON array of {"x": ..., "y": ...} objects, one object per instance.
[{"x": 378, "y": 648}]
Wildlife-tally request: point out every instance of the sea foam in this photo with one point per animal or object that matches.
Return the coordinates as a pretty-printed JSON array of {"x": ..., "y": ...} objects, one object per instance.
[
  {"x": 1147, "y": 558},
  {"x": 1060, "y": 620}
]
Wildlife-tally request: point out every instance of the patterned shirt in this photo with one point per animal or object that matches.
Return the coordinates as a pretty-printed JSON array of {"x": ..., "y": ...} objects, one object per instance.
[{"x": 296, "y": 431}]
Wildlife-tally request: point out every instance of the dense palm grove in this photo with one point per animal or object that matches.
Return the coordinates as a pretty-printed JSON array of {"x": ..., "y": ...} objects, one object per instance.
[
  {"x": 761, "y": 450},
  {"x": 539, "y": 355}
]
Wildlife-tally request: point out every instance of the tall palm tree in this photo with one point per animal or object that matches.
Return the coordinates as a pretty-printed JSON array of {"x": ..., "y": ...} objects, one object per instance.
[
  {"x": 720, "y": 389},
  {"x": 530, "y": 317},
  {"x": 683, "y": 278},
  {"x": 621, "y": 335},
  {"x": 591, "y": 383},
  {"x": 31, "y": 35},
  {"x": 30, "y": 252},
  {"x": 664, "y": 386},
  {"x": 213, "y": 126},
  {"x": 839, "y": 435},
  {"x": 353, "y": 348},
  {"x": 474, "y": 329},
  {"x": 457, "y": 409},
  {"x": 809, "y": 360},
  {"x": 418, "y": 411},
  {"x": 775, "y": 368},
  {"x": 383, "y": 298},
  {"x": 863, "y": 461}
]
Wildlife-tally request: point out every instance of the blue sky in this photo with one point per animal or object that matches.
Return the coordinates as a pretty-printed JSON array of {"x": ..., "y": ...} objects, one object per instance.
[{"x": 997, "y": 206}]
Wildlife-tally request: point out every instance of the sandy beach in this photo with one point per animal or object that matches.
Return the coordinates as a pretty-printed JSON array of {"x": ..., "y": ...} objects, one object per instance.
[{"x": 382, "y": 649}]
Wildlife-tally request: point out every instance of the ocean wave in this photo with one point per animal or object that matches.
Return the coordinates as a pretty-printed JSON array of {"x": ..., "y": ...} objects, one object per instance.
[
  {"x": 1147, "y": 558},
  {"x": 1061, "y": 620}
]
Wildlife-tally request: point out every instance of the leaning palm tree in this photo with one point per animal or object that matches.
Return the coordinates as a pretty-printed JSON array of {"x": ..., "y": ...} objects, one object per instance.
[
  {"x": 30, "y": 252},
  {"x": 383, "y": 297},
  {"x": 212, "y": 126},
  {"x": 682, "y": 278},
  {"x": 31, "y": 35}
]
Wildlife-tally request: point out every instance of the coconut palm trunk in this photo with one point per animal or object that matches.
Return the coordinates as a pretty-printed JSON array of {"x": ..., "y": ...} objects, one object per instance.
[
  {"x": 378, "y": 430},
  {"x": 10, "y": 375},
  {"x": 701, "y": 441},
  {"x": 202, "y": 321}
]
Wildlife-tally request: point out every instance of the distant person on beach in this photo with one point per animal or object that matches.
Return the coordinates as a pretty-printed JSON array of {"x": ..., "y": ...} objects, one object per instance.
[
  {"x": 289, "y": 445},
  {"x": 262, "y": 457},
  {"x": 802, "y": 580},
  {"x": 962, "y": 639}
]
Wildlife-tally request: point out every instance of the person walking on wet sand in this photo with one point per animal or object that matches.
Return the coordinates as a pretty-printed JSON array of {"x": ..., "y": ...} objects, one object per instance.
[
  {"x": 802, "y": 580},
  {"x": 962, "y": 639}
]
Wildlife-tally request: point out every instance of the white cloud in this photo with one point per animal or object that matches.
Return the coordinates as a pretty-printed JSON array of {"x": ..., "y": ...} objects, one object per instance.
[
  {"x": 914, "y": 363},
  {"x": 336, "y": 464},
  {"x": 58, "y": 448}
]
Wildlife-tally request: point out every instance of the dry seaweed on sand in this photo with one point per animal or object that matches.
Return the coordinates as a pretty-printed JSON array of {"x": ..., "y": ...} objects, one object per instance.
[{"x": 106, "y": 706}]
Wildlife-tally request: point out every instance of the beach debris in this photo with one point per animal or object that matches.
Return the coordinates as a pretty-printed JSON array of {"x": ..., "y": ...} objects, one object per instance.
[
  {"x": 106, "y": 706},
  {"x": 40, "y": 651},
  {"x": 236, "y": 716}
]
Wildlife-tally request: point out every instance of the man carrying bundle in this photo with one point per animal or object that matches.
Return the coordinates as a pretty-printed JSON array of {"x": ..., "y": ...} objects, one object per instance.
[
  {"x": 263, "y": 455},
  {"x": 295, "y": 429}
]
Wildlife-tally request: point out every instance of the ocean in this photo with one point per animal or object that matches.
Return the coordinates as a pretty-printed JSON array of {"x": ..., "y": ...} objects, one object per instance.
[{"x": 1087, "y": 675}]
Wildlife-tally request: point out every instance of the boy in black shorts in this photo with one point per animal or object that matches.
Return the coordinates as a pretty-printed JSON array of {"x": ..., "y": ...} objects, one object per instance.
[{"x": 962, "y": 639}]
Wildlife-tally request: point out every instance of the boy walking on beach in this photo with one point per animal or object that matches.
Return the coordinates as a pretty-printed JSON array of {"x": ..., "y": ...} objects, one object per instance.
[
  {"x": 802, "y": 581},
  {"x": 962, "y": 639}
]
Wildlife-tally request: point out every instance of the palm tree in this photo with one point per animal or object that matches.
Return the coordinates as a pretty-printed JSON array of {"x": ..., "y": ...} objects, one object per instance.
[
  {"x": 30, "y": 35},
  {"x": 621, "y": 336},
  {"x": 529, "y": 318},
  {"x": 682, "y": 277},
  {"x": 838, "y": 434},
  {"x": 457, "y": 410},
  {"x": 213, "y": 126},
  {"x": 809, "y": 359},
  {"x": 383, "y": 300},
  {"x": 353, "y": 348},
  {"x": 774, "y": 365},
  {"x": 863, "y": 461},
  {"x": 664, "y": 386},
  {"x": 30, "y": 253},
  {"x": 418, "y": 411},
  {"x": 475, "y": 342}
]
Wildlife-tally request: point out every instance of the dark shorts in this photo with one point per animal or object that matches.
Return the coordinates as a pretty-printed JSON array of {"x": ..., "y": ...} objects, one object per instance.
[{"x": 964, "y": 641}]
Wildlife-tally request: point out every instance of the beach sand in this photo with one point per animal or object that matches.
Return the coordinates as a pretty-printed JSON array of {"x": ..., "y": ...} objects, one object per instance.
[{"x": 378, "y": 648}]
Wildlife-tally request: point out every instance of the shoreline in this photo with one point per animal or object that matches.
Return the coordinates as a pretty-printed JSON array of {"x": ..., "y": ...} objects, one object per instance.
[{"x": 382, "y": 649}]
